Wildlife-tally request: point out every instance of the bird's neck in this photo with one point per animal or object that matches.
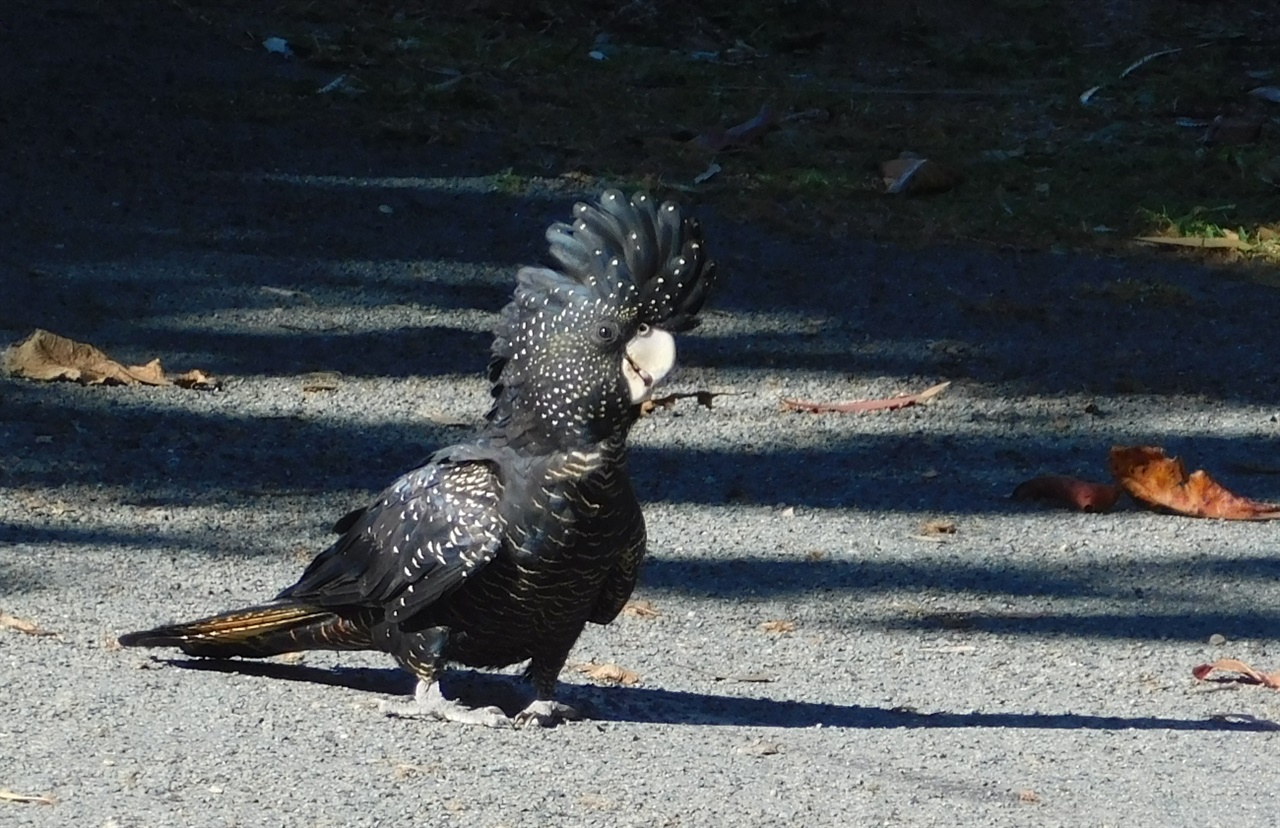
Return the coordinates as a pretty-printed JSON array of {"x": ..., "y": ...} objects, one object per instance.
[{"x": 529, "y": 433}]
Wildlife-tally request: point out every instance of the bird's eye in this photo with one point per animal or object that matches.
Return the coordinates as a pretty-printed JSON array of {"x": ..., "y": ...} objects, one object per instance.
[
  {"x": 643, "y": 330},
  {"x": 607, "y": 332}
]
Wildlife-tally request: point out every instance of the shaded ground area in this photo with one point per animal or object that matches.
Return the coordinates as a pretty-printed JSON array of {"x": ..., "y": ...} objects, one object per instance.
[
  {"x": 1073, "y": 127},
  {"x": 1034, "y": 666}
]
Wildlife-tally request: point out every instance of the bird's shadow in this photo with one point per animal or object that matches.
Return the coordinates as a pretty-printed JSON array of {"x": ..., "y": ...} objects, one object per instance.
[{"x": 657, "y": 706}]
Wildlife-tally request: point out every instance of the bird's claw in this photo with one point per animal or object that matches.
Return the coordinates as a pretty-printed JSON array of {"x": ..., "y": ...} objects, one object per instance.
[
  {"x": 545, "y": 713},
  {"x": 429, "y": 703}
]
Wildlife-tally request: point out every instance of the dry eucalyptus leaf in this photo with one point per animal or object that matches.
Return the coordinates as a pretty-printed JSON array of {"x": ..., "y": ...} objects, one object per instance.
[
  {"x": 321, "y": 381},
  {"x": 1267, "y": 93},
  {"x": 916, "y": 176},
  {"x": 607, "y": 673},
  {"x": 640, "y": 609},
  {"x": 197, "y": 380},
  {"x": 864, "y": 406},
  {"x": 1215, "y": 242},
  {"x": 704, "y": 399},
  {"x": 21, "y": 625},
  {"x": 760, "y": 747},
  {"x": 1246, "y": 673},
  {"x": 938, "y": 526},
  {"x": 7, "y": 795},
  {"x": 1081, "y": 495}
]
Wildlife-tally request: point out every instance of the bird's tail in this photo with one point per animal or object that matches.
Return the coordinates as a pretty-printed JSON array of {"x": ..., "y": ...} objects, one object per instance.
[{"x": 257, "y": 632}]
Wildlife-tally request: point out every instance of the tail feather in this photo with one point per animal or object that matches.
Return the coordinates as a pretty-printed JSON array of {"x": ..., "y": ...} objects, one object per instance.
[{"x": 261, "y": 631}]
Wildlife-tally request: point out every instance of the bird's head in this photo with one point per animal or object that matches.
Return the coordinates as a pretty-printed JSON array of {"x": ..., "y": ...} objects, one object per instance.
[{"x": 578, "y": 349}]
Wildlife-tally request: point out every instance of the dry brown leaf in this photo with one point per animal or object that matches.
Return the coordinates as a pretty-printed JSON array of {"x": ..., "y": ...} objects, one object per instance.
[
  {"x": 780, "y": 626},
  {"x": 750, "y": 130},
  {"x": 21, "y": 625},
  {"x": 1233, "y": 131},
  {"x": 607, "y": 673},
  {"x": 863, "y": 406},
  {"x": 1218, "y": 242},
  {"x": 760, "y": 747},
  {"x": 746, "y": 678},
  {"x": 1071, "y": 492},
  {"x": 704, "y": 398},
  {"x": 1160, "y": 481},
  {"x": 640, "y": 609},
  {"x": 938, "y": 526},
  {"x": 197, "y": 380},
  {"x": 7, "y": 795},
  {"x": 916, "y": 176},
  {"x": 46, "y": 356},
  {"x": 321, "y": 381},
  {"x": 1247, "y": 675}
]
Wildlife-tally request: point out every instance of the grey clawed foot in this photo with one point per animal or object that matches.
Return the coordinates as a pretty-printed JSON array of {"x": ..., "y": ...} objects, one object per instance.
[
  {"x": 546, "y": 713},
  {"x": 429, "y": 703}
]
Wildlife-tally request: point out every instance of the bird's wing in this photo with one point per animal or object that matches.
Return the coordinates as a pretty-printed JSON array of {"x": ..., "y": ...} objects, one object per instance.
[{"x": 423, "y": 537}]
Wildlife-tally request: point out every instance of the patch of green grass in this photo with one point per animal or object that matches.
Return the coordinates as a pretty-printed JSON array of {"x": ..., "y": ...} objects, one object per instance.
[{"x": 990, "y": 91}]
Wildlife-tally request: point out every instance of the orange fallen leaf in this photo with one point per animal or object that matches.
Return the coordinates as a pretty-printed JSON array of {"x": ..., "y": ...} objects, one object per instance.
[
  {"x": 863, "y": 406},
  {"x": 1071, "y": 492},
  {"x": 1160, "y": 481},
  {"x": 607, "y": 673},
  {"x": 1247, "y": 675}
]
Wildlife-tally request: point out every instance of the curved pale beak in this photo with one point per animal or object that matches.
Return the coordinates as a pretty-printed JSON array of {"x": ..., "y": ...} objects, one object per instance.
[{"x": 648, "y": 358}]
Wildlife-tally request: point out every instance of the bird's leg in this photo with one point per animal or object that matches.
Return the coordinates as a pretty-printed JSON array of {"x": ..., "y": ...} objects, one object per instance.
[
  {"x": 544, "y": 711},
  {"x": 429, "y": 703},
  {"x": 423, "y": 655}
]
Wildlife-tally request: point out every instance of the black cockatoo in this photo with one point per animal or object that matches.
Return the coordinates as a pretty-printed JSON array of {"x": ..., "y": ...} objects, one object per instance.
[{"x": 500, "y": 549}]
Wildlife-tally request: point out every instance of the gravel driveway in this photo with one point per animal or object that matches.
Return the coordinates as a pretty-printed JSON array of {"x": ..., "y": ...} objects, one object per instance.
[{"x": 815, "y": 654}]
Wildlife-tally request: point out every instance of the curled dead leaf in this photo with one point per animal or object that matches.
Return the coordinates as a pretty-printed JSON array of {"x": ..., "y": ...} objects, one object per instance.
[
  {"x": 1246, "y": 674},
  {"x": 863, "y": 406},
  {"x": 46, "y": 356},
  {"x": 1071, "y": 492},
  {"x": 1159, "y": 481},
  {"x": 607, "y": 673}
]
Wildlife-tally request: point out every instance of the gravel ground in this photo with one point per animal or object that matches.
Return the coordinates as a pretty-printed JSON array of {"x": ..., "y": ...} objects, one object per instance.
[{"x": 1031, "y": 668}]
